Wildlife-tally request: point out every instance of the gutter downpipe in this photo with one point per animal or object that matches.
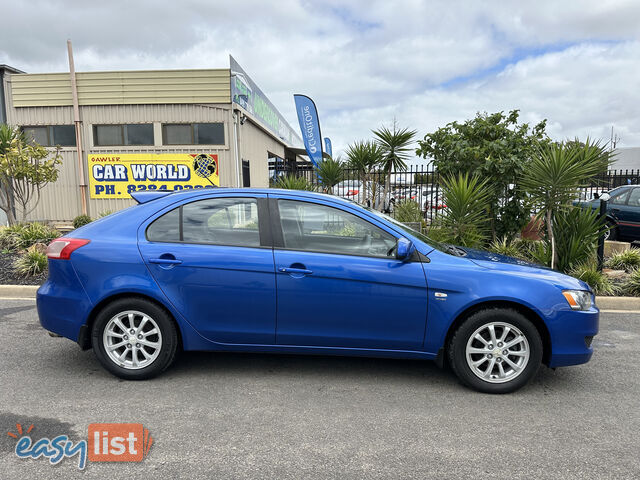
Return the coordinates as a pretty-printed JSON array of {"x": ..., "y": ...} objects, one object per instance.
[
  {"x": 236, "y": 120},
  {"x": 76, "y": 120}
]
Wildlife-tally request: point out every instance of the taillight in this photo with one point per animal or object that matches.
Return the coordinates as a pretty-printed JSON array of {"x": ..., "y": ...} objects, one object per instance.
[
  {"x": 352, "y": 192},
  {"x": 62, "y": 248}
]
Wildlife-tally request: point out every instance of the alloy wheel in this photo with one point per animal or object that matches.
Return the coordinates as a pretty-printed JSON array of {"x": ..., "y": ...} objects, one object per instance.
[
  {"x": 497, "y": 352},
  {"x": 132, "y": 339}
]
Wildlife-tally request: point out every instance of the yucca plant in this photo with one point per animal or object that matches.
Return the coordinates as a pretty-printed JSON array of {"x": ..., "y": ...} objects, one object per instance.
[
  {"x": 363, "y": 156},
  {"x": 292, "y": 182},
  {"x": 599, "y": 283},
  {"x": 329, "y": 172},
  {"x": 554, "y": 176},
  {"x": 627, "y": 261},
  {"x": 466, "y": 198},
  {"x": 395, "y": 151},
  {"x": 408, "y": 211},
  {"x": 31, "y": 263},
  {"x": 631, "y": 286},
  {"x": 505, "y": 247}
]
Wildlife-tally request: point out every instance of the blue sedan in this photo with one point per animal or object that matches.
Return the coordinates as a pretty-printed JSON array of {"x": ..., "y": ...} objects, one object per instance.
[{"x": 285, "y": 271}]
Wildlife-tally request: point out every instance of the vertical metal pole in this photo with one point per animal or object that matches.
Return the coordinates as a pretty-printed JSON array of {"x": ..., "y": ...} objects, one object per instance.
[
  {"x": 603, "y": 214},
  {"x": 76, "y": 120}
]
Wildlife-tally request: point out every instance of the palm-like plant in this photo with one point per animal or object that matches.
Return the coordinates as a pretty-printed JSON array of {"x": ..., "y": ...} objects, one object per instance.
[
  {"x": 395, "y": 151},
  {"x": 363, "y": 156},
  {"x": 292, "y": 182},
  {"x": 329, "y": 172},
  {"x": 555, "y": 174},
  {"x": 467, "y": 200}
]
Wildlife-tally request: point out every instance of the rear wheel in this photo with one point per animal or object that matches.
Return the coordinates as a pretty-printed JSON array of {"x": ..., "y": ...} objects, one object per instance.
[
  {"x": 496, "y": 351},
  {"x": 612, "y": 232},
  {"x": 134, "y": 338}
]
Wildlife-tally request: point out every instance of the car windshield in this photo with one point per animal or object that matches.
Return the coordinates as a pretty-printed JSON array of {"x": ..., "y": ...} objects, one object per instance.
[{"x": 443, "y": 247}]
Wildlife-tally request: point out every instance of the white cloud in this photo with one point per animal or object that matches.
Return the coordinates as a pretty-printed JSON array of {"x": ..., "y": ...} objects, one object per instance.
[{"x": 425, "y": 63}]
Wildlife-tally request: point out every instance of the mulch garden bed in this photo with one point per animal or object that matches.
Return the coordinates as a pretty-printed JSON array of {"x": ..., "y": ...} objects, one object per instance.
[{"x": 9, "y": 277}]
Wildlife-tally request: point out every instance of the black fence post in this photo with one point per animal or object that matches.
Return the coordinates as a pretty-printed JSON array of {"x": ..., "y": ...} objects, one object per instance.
[{"x": 603, "y": 214}]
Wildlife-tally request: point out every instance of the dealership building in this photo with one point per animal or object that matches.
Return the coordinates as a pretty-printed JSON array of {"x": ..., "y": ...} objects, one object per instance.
[{"x": 146, "y": 130}]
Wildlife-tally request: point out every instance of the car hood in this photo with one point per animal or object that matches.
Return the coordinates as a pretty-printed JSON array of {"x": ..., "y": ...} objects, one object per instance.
[{"x": 515, "y": 266}]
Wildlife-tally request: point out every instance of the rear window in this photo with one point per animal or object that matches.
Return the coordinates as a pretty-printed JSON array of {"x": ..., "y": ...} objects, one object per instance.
[{"x": 216, "y": 221}]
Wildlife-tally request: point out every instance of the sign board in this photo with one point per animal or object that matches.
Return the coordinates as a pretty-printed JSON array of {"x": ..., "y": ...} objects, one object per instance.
[
  {"x": 118, "y": 175},
  {"x": 246, "y": 93}
]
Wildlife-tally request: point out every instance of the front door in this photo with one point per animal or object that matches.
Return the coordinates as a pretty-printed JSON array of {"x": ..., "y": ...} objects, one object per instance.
[
  {"x": 211, "y": 260},
  {"x": 629, "y": 216},
  {"x": 339, "y": 283}
]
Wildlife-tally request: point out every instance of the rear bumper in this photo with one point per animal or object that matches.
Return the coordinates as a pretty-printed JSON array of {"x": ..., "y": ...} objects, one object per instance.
[
  {"x": 570, "y": 335},
  {"x": 62, "y": 303}
]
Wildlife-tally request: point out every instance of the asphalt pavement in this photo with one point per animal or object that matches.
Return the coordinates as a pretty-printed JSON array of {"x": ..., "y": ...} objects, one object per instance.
[{"x": 216, "y": 415}]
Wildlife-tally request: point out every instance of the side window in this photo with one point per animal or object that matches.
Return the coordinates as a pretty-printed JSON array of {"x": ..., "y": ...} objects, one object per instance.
[
  {"x": 634, "y": 197},
  {"x": 319, "y": 228},
  {"x": 620, "y": 198},
  {"x": 165, "y": 228},
  {"x": 222, "y": 221}
]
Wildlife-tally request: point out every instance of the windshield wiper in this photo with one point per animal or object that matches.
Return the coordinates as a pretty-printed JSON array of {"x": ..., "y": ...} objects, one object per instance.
[{"x": 457, "y": 251}]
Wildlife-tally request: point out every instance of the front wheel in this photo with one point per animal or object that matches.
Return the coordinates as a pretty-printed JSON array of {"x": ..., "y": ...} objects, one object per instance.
[
  {"x": 496, "y": 351},
  {"x": 134, "y": 338}
]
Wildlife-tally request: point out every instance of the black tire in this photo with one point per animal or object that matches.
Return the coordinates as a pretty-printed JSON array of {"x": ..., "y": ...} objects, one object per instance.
[
  {"x": 164, "y": 322},
  {"x": 613, "y": 232},
  {"x": 457, "y": 350}
]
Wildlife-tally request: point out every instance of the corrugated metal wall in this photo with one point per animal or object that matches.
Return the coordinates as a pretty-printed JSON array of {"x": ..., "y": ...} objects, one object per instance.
[
  {"x": 255, "y": 146},
  {"x": 120, "y": 88},
  {"x": 61, "y": 201}
]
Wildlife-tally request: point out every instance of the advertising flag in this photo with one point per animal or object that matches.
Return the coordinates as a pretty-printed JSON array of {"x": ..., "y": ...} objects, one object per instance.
[
  {"x": 327, "y": 145},
  {"x": 310, "y": 127}
]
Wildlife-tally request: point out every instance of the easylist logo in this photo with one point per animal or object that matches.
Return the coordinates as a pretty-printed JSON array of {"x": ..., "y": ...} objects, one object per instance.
[{"x": 308, "y": 128}]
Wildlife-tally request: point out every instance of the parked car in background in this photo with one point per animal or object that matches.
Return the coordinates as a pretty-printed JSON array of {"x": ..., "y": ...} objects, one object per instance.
[
  {"x": 266, "y": 270},
  {"x": 354, "y": 190},
  {"x": 623, "y": 212}
]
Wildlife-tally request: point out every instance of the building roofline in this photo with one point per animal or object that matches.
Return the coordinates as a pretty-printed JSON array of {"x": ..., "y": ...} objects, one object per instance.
[{"x": 10, "y": 69}]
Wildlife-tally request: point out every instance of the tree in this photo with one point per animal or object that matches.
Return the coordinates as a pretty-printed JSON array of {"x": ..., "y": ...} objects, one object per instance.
[
  {"x": 329, "y": 172},
  {"x": 25, "y": 169},
  {"x": 497, "y": 149},
  {"x": 395, "y": 151},
  {"x": 363, "y": 156},
  {"x": 556, "y": 173}
]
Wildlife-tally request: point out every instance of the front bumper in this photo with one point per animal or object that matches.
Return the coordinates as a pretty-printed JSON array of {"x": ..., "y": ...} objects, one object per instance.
[{"x": 571, "y": 335}]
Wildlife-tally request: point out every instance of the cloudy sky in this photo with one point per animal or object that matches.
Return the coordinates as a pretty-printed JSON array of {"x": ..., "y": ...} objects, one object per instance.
[{"x": 426, "y": 63}]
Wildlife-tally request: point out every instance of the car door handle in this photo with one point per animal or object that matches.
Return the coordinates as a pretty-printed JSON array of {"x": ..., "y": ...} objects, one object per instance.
[
  {"x": 302, "y": 271},
  {"x": 165, "y": 261}
]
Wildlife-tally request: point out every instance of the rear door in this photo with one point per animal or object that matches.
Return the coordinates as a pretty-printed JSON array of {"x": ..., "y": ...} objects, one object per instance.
[
  {"x": 212, "y": 258},
  {"x": 629, "y": 216},
  {"x": 338, "y": 281}
]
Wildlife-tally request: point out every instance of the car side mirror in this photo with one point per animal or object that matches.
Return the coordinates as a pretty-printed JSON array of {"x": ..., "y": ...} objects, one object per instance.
[{"x": 404, "y": 249}]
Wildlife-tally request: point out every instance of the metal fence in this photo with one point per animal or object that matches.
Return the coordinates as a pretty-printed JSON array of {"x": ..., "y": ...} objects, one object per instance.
[{"x": 419, "y": 183}]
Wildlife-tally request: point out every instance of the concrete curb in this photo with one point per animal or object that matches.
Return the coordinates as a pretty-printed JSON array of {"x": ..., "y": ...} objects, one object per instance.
[
  {"x": 604, "y": 303},
  {"x": 618, "y": 303},
  {"x": 18, "y": 291}
]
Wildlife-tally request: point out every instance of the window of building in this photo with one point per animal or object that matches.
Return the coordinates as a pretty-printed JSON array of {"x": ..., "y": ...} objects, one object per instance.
[
  {"x": 193, "y": 134},
  {"x": 132, "y": 134},
  {"x": 52, "y": 135},
  {"x": 319, "y": 228},
  {"x": 216, "y": 221}
]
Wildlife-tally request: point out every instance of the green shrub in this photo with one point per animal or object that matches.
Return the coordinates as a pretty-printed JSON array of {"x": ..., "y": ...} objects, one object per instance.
[
  {"x": 631, "y": 286},
  {"x": 505, "y": 247},
  {"x": 24, "y": 235},
  {"x": 408, "y": 211},
  {"x": 599, "y": 283},
  {"x": 628, "y": 260},
  {"x": 105, "y": 213},
  {"x": 291, "y": 182},
  {"x": 30, "y": 263},
  {"x": 81, "y": 220}
]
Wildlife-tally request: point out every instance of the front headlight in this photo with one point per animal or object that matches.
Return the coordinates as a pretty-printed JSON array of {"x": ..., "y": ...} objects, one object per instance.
[{"x": 578, "y": 299}]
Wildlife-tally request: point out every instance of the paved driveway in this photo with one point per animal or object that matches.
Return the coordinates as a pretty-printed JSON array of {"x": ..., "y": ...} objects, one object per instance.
[{"x": 275, "y": 416}]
